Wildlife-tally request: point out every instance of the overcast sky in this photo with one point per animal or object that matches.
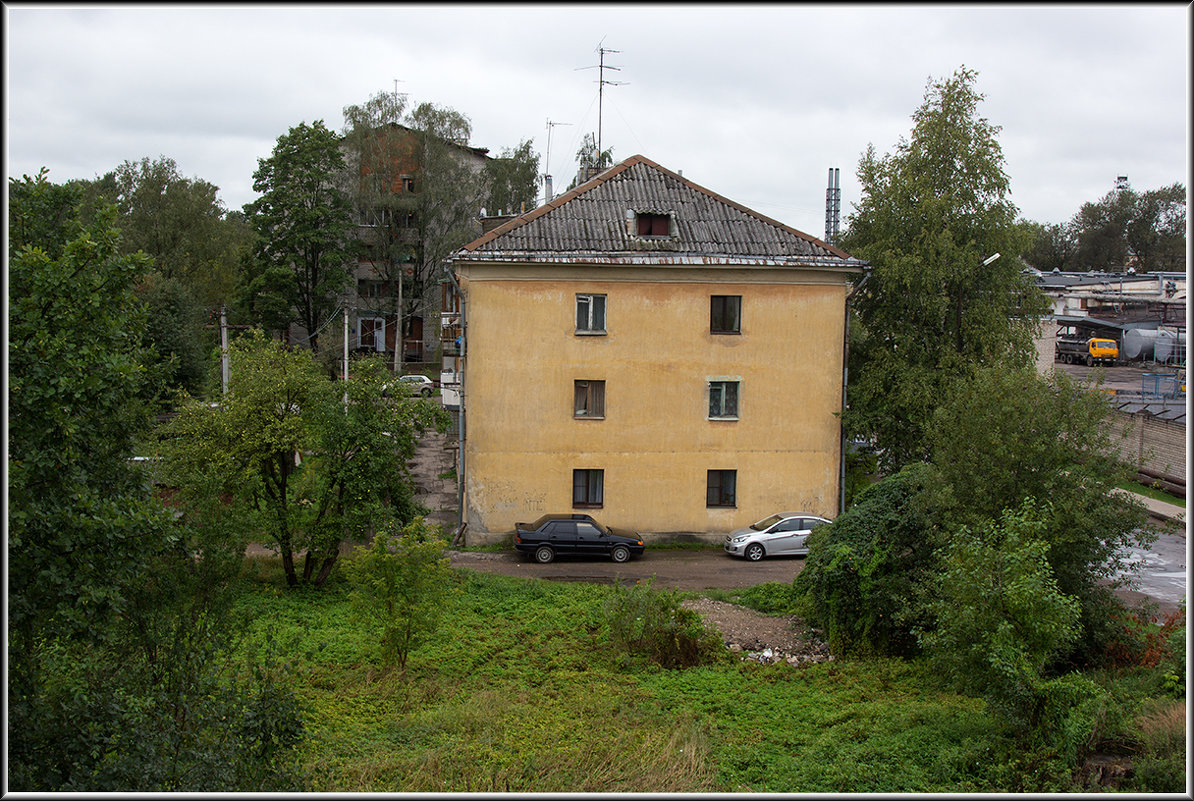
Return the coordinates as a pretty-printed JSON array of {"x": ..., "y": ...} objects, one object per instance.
[{"x": 753, "y": 102}]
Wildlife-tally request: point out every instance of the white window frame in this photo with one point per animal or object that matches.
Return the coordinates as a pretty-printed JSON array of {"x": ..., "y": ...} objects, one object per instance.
[{"x": 379, "y": 333}]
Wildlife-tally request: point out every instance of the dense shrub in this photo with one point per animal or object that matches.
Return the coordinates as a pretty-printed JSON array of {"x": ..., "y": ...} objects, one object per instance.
[
  {"x": 400, "y": 582},
  {"x": 861, "y": 582},
  {"x": 651, "y": 623},
  {"x": 1000, "y": 619},
  {"x": 1005, "y": 436}
]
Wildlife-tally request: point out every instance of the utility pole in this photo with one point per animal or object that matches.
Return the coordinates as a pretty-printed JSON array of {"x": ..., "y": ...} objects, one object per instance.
[{"x": 224, "y": 349}]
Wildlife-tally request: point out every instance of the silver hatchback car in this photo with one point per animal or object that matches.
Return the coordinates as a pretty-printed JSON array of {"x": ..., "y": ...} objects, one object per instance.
[{"x": 778, "y": 535}]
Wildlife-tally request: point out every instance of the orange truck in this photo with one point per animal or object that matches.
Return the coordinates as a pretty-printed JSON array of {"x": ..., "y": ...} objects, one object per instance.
[{"x": 1092, "y": 351}]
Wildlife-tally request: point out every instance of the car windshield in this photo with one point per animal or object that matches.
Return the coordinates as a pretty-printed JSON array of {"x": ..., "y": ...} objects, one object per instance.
[{"x": 763, "y": 525}]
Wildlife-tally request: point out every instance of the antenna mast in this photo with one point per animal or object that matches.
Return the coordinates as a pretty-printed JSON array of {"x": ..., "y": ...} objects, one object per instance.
[
  {"x": 547, "y": 161},
  {"x": 601, "y": 83}
]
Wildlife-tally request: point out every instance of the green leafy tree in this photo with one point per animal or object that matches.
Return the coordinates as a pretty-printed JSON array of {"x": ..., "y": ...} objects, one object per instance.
[
  {"x": 1051, "y": 247},
  {"x": 400, "y": 583},
  {"x": 302, "y": 221},
  {"x": 418, "y": 187},
  {"x": 79, "y": 519},
  {"x": 309, "y": 462},
  {"x": 1001, "y": 619},
  {"x": 513, "y": 180},
  {"x": 932, "y": 216},
  {"x": 1101, "y": 230},
  {"x": 118, "y": 627},
  {"x": 181, "y": 224},
  {"x": 1156, "y": 233},
  {"x": 1146, "y": 230},
  {"x": 1005, "y": 436}
]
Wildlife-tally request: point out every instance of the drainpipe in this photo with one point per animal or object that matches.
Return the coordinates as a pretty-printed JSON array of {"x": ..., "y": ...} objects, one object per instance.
[
  {"x": 841, "y": 485},
  {"x": 460, "y": 438}
]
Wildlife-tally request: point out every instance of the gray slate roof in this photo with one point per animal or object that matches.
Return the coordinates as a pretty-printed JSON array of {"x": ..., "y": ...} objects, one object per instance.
[{"x": 589, "y": 224}]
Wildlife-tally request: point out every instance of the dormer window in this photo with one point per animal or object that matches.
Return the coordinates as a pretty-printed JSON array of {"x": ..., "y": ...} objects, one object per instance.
[{"x": 650, "y": 224}]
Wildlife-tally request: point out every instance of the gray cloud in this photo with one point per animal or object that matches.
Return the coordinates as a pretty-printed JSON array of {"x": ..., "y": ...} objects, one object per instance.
[{"x": 754, "y": 102}]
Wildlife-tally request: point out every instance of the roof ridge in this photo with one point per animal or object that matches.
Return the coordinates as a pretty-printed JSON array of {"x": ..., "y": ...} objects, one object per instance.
[
  {"x": 622, "y": 167},
  {"x": 534, "y": 214}
]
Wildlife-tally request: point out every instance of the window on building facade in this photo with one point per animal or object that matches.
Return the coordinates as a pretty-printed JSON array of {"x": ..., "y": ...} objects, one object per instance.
[
  {"x": 725, "y": 314},
  {"x": 371, "y": 289},
  {"x": 653, "y": 224},
  {"x": 588, "y": 399},
  {"x": 590, "y": 314},
  {"x": 588, "y": 488},
  {"x": 721, "y": 488},
  {"x": 723, "y": 400},
  {"x": 408, "y": 183}
]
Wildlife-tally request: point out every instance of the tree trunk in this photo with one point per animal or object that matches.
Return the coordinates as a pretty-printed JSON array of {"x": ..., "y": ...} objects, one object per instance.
[
  {"x": 325, "y": 569},
  {"x": 288, "y": 564}
]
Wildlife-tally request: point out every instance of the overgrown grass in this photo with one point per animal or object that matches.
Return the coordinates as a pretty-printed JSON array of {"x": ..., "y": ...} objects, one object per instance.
[
  {"x": 1152, "y": 492},
  {"x": 523, "y": 691}
]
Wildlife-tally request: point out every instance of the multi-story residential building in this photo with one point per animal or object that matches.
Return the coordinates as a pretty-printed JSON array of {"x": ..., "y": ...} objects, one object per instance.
[{"x": 645, "y": 350}]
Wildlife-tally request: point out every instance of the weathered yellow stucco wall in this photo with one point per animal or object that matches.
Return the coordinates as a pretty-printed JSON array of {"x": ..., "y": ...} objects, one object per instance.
[{"x": 655, "y": 442}]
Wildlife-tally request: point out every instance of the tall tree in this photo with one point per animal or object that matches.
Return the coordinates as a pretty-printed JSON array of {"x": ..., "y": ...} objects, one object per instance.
[
  {"x": 1102, "y": 232},
  {"x": 513, "y": 180},
  {"x": 379, "y": 153},
  {"x": 418, "y": 187},
  {"x": 449, "y": 192},
  {"x": 933, "y": 216},
  {"x": 1156, "y": 233},
  {"x": 302, "y": 220},
  {"x": 1051, "y": 247},
  {"x": 118, "y": 628}
]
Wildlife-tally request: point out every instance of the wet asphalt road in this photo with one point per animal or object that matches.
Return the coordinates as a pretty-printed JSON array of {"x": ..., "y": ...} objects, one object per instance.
[
  {"x": 690, "y": 571},
  {"x": 1160, "y": 571}
]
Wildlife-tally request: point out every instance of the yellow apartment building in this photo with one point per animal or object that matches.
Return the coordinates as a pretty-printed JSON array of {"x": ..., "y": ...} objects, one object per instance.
[{"x": 646, "y": 351}]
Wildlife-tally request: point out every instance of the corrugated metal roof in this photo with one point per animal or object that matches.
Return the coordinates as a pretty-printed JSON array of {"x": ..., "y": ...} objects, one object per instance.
[
  {"x": 1172, "y": 411},
  {"x": 590, "y": 224}
]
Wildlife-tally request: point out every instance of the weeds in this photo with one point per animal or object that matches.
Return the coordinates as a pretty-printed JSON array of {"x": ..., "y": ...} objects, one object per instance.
[
  {"x": 524, "y": 688},
  {"x": 651, "y": 623}
]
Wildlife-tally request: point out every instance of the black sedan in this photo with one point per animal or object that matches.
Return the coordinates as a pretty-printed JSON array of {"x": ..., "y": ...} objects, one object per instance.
[{"x": 574, "y": 535}]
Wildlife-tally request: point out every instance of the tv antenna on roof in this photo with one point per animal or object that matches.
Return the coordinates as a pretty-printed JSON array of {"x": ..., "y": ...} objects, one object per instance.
[
  {"x": 547, "y": 158},
  {"x": 601, "y": 83}
]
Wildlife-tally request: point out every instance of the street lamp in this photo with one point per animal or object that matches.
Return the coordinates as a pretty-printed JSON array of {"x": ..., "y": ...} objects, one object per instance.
[{"x": 990, "y": 259}]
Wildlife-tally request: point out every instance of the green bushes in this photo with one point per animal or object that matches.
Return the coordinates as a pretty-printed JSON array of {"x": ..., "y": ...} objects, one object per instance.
[
  {"x": 400, "y": 583},
  {"x": 861, "y": 581},
  {"x": 1000, "y": 620},
  {"x": 652, "y": 624}
]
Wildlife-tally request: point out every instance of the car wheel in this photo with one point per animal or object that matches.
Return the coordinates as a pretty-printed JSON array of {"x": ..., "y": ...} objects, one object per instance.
[
  {"x": 754, "y": 552},
  {"x": 544, "y": 554},
  {"x": 426, "y": 393},
  {"x": 620, "y": 553}
]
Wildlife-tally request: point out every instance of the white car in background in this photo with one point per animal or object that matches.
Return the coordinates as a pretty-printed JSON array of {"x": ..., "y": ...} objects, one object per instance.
[
  {"x": 415, "y": 384},
  {"x": 778, "y": 535}
]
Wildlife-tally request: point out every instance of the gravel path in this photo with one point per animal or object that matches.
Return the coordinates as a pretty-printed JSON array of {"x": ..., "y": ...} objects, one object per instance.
[{"x": 762, "y": 638}]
